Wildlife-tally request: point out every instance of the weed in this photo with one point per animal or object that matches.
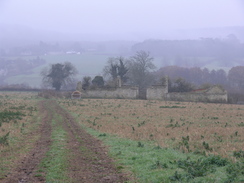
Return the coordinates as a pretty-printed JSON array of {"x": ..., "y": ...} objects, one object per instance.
[
  {"x": 142, "y": 123},
  {"x": 173, "y": 125},
  {"x": 157, "y": 147},
  {"x": 200, "y": 152},
  {"x": 241, "y": 124},
  {"x": 216, "y": 160},
  {"x": 7, "y": 116},
  {"x": 185, "y": 142},
  {"x": 236, "y": 133},
  {"x": 159, "y": 165},
  {"x": 177, "y": 177},
  {"x": 206, "y": 146},
  {"x": 4, "y": 139},
  {"x": 238, "y": 154},
  {"x": 102, "y": 135},
  {"x": 234, "y": 172},
  {"x": 140, "y": 144}
]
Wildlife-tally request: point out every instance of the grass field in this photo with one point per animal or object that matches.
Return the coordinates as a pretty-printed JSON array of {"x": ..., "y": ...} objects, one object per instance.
[{"x": 151, "y": 141}]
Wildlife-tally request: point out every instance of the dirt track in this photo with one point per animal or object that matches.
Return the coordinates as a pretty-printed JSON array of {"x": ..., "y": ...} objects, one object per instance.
[{"x": 87, "y": 158}]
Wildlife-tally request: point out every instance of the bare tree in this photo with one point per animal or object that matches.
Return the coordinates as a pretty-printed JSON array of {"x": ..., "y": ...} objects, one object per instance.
[
  {"x": 116, "y": 66},
  {"x": 140, "y": 72}
]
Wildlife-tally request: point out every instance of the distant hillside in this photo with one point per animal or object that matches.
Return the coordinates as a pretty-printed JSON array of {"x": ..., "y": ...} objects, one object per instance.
[{"x": 16, "y": 34}]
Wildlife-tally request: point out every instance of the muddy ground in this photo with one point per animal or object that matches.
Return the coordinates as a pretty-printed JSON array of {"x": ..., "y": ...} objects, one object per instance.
[{"x": 88, "y": 158}]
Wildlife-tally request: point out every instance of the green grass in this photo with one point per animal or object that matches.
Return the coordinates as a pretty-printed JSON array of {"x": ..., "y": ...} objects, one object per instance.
[
  {"x": 55, "y": 162},
  {"x": 154, "y": 164}
]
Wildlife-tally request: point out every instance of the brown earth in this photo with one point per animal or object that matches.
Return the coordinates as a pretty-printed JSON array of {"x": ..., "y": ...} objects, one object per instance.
[{"x": 88, "y": 159}]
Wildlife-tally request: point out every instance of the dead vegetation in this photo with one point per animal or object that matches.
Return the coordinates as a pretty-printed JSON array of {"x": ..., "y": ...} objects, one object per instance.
[{"x": 191, "y": 127}]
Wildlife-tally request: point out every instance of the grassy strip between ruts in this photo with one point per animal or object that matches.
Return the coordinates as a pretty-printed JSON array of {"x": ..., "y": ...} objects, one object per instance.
[
  {"x": 150, "y": 163},
  {"x": 55, "y": 162}
]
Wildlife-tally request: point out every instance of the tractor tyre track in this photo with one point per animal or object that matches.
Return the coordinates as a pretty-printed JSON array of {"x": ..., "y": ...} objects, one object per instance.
[
  {"x": 25, "y": 171},
  {"x": 88, "y": 159}
]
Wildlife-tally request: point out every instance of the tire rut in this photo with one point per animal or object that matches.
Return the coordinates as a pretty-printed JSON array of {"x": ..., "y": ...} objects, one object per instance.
[
  {"x": 88, "y": 159},
  {"x": 25, "y": 171}
]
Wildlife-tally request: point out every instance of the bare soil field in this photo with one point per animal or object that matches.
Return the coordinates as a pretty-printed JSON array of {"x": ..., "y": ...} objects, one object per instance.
[{"x": 209, "y": 128}]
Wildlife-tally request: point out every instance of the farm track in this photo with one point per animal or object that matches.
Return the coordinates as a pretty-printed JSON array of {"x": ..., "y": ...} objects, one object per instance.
[{"x": 88, "y": 161}]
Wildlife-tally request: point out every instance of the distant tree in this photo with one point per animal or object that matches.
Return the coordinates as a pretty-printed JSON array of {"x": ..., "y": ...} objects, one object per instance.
[
  {"x": 116, "y": 67},
  {"x": 98, "y": 81},
  {"x": 58, "y": 75},
  {"x": 110, "y": 69},
  {"x": 180, "y": 85},
  {"x": 122, "y": 70},
  {"x": 236, "y": 77},
  {"x": 140, "y": 72},
  {"x": 205, "y": 86},
  {"x": 221, "y": 77},
  {"x": 86, "y": 82}
]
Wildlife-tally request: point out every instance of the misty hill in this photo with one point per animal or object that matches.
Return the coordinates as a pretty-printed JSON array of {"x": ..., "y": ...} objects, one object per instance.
[
  {"x": 227, "y": 52},
  {"x": 18, "y": 34}
]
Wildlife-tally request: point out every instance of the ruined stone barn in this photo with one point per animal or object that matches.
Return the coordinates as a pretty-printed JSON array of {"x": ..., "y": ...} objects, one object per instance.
[{"x": 212, "y": 94}]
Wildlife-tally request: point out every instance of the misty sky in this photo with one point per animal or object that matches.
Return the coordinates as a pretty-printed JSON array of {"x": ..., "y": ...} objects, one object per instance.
[{"x": 110, "y": 16}]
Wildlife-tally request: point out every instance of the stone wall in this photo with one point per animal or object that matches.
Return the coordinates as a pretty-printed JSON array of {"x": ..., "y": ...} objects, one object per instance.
[
  {"x": 125, "y": 92},
  {"x": 213, "y": 94},
  {"x": 197, "y": 97},
  {"x": 157, "y": 92}
]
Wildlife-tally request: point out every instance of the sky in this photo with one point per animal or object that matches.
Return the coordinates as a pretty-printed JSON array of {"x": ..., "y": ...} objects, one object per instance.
[{"x": 109, "y": 16}]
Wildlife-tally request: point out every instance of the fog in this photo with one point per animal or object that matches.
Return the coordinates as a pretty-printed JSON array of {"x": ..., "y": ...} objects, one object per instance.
[
  {"x": 187, "y": 33},
  {"x": 122, "y": 19}
]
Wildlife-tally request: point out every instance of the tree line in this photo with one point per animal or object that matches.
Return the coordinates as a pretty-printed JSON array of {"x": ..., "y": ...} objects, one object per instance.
[{"x": 139, "y": 70}]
